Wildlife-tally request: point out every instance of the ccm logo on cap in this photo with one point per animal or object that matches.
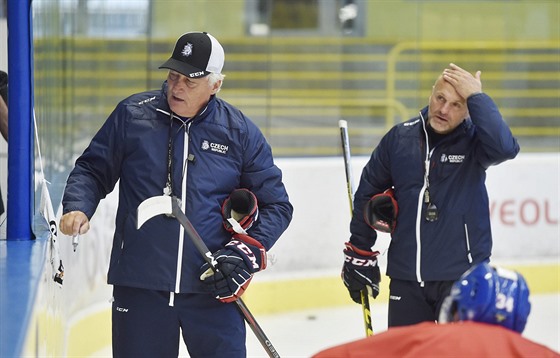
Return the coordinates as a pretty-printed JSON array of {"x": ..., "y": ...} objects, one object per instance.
[{"x": 196, "y": 74}]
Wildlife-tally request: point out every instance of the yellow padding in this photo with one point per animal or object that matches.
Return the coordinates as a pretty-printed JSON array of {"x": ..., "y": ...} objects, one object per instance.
[
  {"x": 90, "y": 334},
  {"x": 93, "y": 332},
  {"x": 298, "y": 294},
  {"x": 541, "y": 278}
]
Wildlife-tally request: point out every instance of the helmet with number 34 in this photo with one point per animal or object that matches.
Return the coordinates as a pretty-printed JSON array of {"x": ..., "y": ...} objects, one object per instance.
[{"x": 491, "y": 295}]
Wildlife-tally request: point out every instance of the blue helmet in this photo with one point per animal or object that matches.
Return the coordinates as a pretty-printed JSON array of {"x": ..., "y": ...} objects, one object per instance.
[{"x": 491, "y": 295}]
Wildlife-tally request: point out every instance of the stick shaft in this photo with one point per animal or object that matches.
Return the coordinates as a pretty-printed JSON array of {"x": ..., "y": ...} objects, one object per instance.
[
  {"x": 347, "y": 164},
  {"x": 207, "y": 255},
  {"x": 345, "y": 140}
]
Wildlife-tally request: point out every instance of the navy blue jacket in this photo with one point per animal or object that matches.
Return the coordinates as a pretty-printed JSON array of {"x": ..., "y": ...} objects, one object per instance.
[
  {"x": 441, "y": 250},
  {"x": 225, "y": 151}
]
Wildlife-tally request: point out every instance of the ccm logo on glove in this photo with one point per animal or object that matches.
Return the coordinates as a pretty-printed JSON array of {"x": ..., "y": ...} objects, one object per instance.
[
  {"x": 360, "y": 271},
  {"x": 237, "y": 261},
  {"x": 247, "y": 251},
  {"x": 360, "y": 262}
]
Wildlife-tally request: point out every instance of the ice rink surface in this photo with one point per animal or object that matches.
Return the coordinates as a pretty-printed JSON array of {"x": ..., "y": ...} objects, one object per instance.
[{"x": 301, "y": 334}]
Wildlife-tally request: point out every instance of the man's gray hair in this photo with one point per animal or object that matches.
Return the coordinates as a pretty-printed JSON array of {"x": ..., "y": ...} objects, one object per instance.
[{"x": 215, "y": 77}]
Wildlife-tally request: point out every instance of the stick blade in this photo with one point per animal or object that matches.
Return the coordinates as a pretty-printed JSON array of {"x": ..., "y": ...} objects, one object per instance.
[{"x": 156, "y": 205}]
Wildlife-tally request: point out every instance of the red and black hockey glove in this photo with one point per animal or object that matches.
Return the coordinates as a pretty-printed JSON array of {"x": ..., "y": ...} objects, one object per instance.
[
  {"x": 240, "y": 211},
  {"x": 360, "y": 271},
  {"x": 380, "y": 212},
  {"x": 236, "y": 263}
]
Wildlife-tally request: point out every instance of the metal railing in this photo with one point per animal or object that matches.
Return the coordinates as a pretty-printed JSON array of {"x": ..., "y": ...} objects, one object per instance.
[{"x": 296, "y": 89}]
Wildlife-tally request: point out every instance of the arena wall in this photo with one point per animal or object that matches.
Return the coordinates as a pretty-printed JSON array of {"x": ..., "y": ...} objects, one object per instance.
[{"x": 74, "y": 319}]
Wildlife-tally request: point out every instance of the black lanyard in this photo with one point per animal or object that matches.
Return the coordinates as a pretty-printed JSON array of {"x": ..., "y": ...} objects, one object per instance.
[
  {"x": 168, "y": 190},
  {"x": 431, "y": 209}
]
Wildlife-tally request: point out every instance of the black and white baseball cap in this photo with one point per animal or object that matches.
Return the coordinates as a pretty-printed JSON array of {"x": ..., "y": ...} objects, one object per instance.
[{"x": 196, "y": 54}]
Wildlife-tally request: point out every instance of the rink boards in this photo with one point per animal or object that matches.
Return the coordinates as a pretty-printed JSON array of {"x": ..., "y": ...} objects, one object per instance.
[{"x": 39, "y": 317}]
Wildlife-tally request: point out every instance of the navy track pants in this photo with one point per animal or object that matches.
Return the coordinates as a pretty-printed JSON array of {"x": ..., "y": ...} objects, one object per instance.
[
  {"x": 411, "y": 302},
  {"x": 144, "y": 325}
]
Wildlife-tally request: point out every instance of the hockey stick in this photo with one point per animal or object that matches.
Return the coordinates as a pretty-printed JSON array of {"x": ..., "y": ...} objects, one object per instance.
[
  {"x": 170, "y": 206},
  {"x": 343, "y": 125}
]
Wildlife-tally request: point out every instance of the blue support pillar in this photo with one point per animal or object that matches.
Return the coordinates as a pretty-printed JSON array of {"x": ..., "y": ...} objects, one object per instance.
[{"x": 20, "y": 121}]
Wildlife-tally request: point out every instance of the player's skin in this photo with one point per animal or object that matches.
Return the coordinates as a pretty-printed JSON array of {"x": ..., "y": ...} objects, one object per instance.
[
  {"x": 186, "y": 96},
  {"x": 74, "y": 223},
  {"x": 448, "y": 101}
]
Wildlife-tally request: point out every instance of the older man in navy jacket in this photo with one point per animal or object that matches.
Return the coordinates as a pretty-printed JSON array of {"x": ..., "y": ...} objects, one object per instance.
[{"x": 183, "y": 141}]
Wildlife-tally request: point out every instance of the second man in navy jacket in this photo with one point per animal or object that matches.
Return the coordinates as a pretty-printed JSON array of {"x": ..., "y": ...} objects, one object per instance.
[{"x": 436, "y": 163}]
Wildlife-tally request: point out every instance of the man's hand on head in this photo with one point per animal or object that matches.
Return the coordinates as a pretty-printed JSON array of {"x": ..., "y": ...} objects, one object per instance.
[{"x": 463, "y": 81}]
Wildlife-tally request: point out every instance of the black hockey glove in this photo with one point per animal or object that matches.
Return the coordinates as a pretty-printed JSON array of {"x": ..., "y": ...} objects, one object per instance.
[
  {"x": 380, "y": 212},
  {"x": 237, "y": 262},
  {"x": 360, "y": 271}
]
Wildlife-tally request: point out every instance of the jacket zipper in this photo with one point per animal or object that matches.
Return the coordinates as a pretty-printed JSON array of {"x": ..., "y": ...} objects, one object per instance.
[
  {"x": 183, "y": 207},
  {"x": 468, "y": 242},
  {"x": 183, "y": 200},
  {"x": 421, "y": 203}
]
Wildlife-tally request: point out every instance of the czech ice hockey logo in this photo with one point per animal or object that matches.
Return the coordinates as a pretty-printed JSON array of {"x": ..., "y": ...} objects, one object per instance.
[
  {"x": 187, "y": 50},
  {"x": 452, "y": 158},
  {"x": 216, "y": 148}
]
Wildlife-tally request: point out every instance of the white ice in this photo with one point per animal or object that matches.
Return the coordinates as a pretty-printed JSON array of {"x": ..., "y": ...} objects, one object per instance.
[
  {"x": 301, "y": 334},
  {"x": 304, "y": 333}
]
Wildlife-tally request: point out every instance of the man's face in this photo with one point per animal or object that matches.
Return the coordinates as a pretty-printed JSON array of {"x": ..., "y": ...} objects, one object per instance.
[
  {"x": 447, "y": 109},
  {"x": 186, "y": 96}
]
